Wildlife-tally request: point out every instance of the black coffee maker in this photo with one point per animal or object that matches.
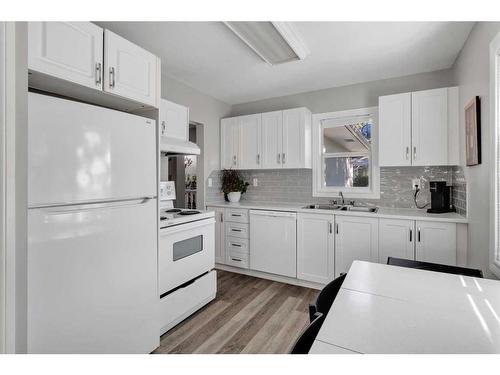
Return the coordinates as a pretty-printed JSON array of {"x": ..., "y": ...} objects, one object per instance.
[{"x": 440, "y": 198}]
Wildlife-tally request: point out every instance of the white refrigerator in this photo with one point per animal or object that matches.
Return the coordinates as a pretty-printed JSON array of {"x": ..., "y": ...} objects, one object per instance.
[{"x": 92, "y": 229}]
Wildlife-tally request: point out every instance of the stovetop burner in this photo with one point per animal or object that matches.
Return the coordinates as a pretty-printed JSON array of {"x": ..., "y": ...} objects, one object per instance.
[
  {"x": 189, "y": 212},
  {"x": 173, "y": 210}
]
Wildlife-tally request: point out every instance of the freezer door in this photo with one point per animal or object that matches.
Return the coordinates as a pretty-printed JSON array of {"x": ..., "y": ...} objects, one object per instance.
[
  {"x": 92, "y": 279},
  {"x": 80, "y": 153}
]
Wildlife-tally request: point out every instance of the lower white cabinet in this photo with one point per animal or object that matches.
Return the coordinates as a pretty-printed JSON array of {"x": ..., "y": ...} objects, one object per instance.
[
  {"x": 220, "y": 251},
  {"x": 436, "y": 242},
  {"x": 396, "y": 239},
  {"x": 356, "y": 238},
  {"x": 315, "y": 247},
  {"x": 426, "y": 241},
  {"x": 273, "y": 242}
]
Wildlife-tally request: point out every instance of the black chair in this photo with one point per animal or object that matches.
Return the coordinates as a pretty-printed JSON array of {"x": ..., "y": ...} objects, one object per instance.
[
  {"x": 434, "y": 267},
  {"x": 326, "y": 297},
  {"x": 307, "y": 337}
]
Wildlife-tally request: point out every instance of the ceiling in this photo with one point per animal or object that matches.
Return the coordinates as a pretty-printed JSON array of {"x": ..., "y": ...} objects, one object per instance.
[{"x": 210, "y": 58}]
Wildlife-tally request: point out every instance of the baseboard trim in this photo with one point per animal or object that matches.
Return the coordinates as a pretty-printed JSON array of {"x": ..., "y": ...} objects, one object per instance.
[{"x": 269, "y": 276}]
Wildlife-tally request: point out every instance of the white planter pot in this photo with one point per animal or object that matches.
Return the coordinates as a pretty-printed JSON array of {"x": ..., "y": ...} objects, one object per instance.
[{"x": 234, "y": 196}]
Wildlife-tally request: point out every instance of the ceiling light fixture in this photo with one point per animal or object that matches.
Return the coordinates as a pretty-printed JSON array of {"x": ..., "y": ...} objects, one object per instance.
[{"x": 273, "y": 42}]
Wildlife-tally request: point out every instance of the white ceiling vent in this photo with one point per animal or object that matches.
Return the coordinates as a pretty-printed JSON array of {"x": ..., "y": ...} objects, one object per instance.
[{"x": 274, "y": 42}]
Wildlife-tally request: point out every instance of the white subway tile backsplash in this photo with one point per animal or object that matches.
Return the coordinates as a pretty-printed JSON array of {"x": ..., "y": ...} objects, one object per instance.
[{"x": 295, "y": 186}]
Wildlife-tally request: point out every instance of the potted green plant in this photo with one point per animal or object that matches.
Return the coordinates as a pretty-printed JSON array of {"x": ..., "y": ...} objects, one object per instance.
[{"x": 232, "y": 185}]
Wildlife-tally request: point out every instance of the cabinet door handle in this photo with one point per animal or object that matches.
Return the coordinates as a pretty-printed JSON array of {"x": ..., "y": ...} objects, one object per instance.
[
  {"x": 418, "y": 234},
  {"x": 407, "y": 152},
  {"x": 258, "y": 158},
  {"x": 112, "y": 77},
  {"x": 221, "y": 217},
  {"x": 279, "y": 158},
  {"x": 337, "y": 228},
  {"x": 234, "y": 159},
  {"x": 98, "y": 74},
  {"x": 330, "y": 229},
  {"x": 235, "y": 215},
  {"x": 236, "y": 259},
  {"x": 235, "y": 245},
  {"x": 411, "y": 235},
  {"x": 414, "y": 152},
  {"x": 283, "y": 158},
  {"x": 235, "y": 230},
  {"x": 163, "y": 128}
]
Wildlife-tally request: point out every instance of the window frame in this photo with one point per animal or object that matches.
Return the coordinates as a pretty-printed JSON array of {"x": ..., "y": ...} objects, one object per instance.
[
  {"x": 495, "y": 153},
  {"x": 318, "y": 164}
]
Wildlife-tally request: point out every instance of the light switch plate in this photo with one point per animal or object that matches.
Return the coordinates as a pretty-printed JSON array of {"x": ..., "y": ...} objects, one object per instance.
[
  {"x": 255, "y": 182},
  {"x": 210, "y": 182}
]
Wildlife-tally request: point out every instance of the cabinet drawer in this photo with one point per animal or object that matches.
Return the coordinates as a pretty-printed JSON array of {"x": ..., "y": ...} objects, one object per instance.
[
  {"x": 237, "y": 244},
  {"x": 237, "y": 259},
  {"x": 237, "y": 230},
  {"x": 236, "y": 215}
]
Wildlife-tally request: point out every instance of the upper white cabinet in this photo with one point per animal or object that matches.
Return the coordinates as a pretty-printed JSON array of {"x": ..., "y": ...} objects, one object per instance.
[
  {"x": 230, "y": 143},
  {"x": 130, "y": 71},
  {"x": 396, "y": 239},
  {"x": 296, "y": 151},
  {"x": 84, "y": 54},
  {"x": 250, "y": 132},
  {"x": 356, "y": 238},
  {"x": 395, "y": 130},
  {"x": 272, "y": 139},
  {"x": 429, "y": 131},
  {"x": 174, "y": 120},
  {"x": 419, "y": 128},
  {"x": 436, "y": 242},
  {"x": 68, "y": 50},
  {"x": 280, "y": 139},
  {"x": 315, "y": 247}
]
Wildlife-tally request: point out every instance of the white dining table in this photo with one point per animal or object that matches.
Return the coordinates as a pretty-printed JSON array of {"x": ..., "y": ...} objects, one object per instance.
[{"x": 383, "y": 309}]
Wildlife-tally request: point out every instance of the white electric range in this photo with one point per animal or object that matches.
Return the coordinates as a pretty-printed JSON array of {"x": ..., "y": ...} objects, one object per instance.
[{"x": 187, "y": 279}]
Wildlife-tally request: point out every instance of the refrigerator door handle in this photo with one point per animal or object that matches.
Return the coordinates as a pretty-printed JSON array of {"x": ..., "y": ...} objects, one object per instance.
[{"x": 72, "y": 207}]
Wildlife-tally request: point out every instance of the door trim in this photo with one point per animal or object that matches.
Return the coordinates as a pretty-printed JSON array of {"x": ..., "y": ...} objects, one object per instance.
[{"x": 2, "y": 187}]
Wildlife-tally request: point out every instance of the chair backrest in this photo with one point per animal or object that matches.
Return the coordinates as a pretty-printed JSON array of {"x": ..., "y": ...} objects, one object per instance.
[
  {"x": 434, "y": 267},
  {"x": 327, "y": 295},
  {"x": 307, "y": 337}
]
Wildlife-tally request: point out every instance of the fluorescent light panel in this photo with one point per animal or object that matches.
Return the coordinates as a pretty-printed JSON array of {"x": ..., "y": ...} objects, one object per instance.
[{"x": 273, "y": 42}]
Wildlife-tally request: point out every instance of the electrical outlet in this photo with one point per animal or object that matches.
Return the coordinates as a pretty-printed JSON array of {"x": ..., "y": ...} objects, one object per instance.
[
  {"x": 210, "y": 184},
  {"x": 255, "y": 182},
  {"x": 416, "y": 183}
]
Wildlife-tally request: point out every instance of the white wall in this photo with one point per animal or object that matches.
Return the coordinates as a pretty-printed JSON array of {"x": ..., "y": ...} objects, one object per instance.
[
  {"x": 16, "y": 184},
  {"x": 471, "y": 73},
  {"x": 205, "y": 110},
  {"x": 361, "y": 95}
]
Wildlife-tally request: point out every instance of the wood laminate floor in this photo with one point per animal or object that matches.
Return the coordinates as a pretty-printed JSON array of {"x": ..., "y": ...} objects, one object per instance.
[{"x": 249, "y": 315}]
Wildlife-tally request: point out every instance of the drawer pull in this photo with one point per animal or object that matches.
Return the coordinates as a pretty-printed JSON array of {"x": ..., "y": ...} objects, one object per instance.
[
  {"x": 235, "y": 245},
  {"x": 236, "y": 215},
  {"x": 236, "y": 260},
  {"x": 235, "y": 230}
]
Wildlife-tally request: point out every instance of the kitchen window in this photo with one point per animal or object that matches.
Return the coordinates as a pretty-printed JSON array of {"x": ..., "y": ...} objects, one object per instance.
[{"x": 345, "y": 149}]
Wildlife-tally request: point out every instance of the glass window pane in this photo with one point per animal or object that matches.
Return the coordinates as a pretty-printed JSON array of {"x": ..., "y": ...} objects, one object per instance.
[
  {"x": 349, "y": 137},
  {"x": 188, "y": 247},
  {"x": 349, "y": 171}
]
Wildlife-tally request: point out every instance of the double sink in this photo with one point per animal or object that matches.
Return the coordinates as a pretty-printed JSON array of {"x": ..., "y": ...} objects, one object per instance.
[{"x": 336, "y": 207}]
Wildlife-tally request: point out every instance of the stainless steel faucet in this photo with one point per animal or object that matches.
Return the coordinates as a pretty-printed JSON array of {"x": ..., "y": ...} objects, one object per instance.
[{"x": 342, "y": 196}]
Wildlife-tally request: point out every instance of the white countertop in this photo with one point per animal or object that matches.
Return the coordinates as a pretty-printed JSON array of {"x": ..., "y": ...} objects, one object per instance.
[
  {"x": 389, "y": 309},
  {"x": 390, "y": 213}
]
